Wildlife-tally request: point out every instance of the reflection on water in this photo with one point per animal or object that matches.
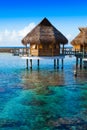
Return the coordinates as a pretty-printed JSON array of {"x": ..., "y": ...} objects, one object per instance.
[
  {"x": 44, "y": 99},
  {"x": 34, "y": 79}
]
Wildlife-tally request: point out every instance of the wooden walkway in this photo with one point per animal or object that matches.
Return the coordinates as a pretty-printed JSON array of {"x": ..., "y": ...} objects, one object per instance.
[
  {"x": 25, "y": 54},
  {"x": 68, "y": 52}
]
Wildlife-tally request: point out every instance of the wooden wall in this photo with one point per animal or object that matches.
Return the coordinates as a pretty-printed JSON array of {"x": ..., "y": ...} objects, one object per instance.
[
  {"x": 80, "y": 48},
  {"x": 76, "y": 47},
  {"x": 45, "y": 50}
]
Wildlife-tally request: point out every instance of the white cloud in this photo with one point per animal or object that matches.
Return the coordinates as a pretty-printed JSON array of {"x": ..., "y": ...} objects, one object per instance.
[
  {"x": 14, "y": 37},
  {"x": 26, "y": 30},
  {"x": 6, "y": 33},
  {"x": 0, "y": 38}
]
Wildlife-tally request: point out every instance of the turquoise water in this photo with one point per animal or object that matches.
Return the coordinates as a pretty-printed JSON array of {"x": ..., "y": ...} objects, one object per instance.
[{"x": 41, "y": 99}]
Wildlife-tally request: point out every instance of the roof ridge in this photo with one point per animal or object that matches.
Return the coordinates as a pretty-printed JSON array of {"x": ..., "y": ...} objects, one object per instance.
[{"x": 45, "y": 22}]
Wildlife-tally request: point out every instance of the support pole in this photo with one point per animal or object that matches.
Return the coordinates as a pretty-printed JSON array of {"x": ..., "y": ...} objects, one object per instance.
[
  {"x": 54, "y": 63},
  {"x": 62, "y": 64},
  {"x": 63, "y": 49},
  {"x": 26, "y": 50},
  {"x": 30, "y": 63},
  {"x": 23, "y": 51},
  {"x": 38, "y": 62},
  {"x": 27, "y": 64},
  {"x": 57, "y": 63},
  {"x": 80, "y": 63}
]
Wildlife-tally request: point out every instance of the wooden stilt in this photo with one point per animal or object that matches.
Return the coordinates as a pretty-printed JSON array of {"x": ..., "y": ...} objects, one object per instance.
[
  {"x": 80, "y": 63},
  {"x": 62, "y": 64},
  {"x": 23, "y": 51},
  {"x": 27, "y": 64},
  {"x": 57, "y": 63},
  {"x": 30, "y": 63},
  {"x": 54, "y": 63},
  {"x": 38, "y": 62}
]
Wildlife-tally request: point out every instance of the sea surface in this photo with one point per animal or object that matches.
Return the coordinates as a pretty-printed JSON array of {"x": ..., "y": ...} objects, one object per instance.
[{"x": 43, "y": 98}]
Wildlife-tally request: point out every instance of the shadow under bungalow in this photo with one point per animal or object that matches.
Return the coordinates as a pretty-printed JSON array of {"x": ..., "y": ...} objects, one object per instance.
[{"x": 45, "y": 42}]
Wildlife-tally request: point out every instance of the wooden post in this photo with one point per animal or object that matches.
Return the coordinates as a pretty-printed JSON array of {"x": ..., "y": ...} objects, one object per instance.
[
  {"x": 63, "y": 49},
  {"x": 80, "y": 63},
  {"x": 38, "y": 62},
  {"x": 23, "y": 51},
  {"x": 26, "y": 59},
  {"x": 30, "y": 63},
  {"x": 54, "y": 63},
  {"x": 26, "y": 50},
  {"x": 62, "y": 64},
  {"x": 57, "y": 63},
  {"x": 27, "y": 64}
]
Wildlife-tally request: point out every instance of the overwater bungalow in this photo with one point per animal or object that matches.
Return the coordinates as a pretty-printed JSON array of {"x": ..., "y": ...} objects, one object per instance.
[
  {"x": 80, "y": 44},
  {"x": 45, "y": 40},
  {"x": 80, "y": 41}
]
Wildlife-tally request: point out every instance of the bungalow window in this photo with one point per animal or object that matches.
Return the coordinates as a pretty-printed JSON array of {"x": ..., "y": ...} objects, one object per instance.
[
  {"x": 40, "y": 46},
  {"x": 34, "y": 46}
]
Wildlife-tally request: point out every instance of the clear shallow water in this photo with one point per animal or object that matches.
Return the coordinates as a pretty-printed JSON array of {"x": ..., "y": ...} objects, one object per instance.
[{"x": 42, "y": 99}]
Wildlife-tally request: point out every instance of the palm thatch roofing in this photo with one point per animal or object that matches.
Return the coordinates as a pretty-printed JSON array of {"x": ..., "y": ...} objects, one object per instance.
[
  {"x": 81, "y": 38},
  {"x": 44, "y": 32}
]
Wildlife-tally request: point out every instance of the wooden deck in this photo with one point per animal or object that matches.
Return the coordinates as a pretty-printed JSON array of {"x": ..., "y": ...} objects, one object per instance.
[
  {"x": 25, "y": 54},
  {"x": 68, "y": 52},
  {"x": 43, "y": 57}
]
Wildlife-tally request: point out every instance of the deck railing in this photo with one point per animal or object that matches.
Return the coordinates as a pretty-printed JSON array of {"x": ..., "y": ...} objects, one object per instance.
[
  {"x": 24, "y": 52},
  {"x": 21, "y": 52}
]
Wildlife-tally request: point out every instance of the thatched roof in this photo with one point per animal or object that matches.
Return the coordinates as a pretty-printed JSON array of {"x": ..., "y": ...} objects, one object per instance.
[
  {"x": 81, "y": 38},
  {"x": 44, "y": 32}
]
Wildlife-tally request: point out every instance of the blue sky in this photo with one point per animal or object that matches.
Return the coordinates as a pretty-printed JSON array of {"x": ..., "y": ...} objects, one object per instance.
[{"x": 18, "y": 17}]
